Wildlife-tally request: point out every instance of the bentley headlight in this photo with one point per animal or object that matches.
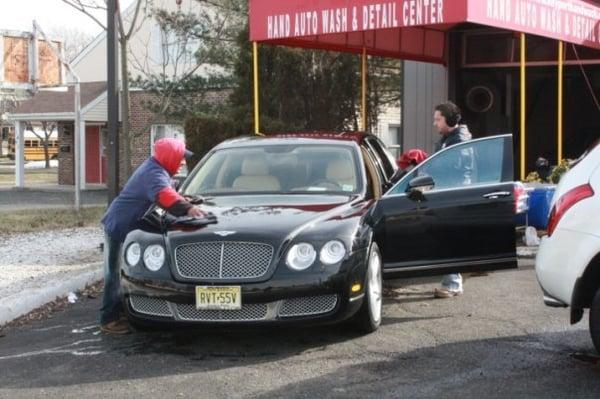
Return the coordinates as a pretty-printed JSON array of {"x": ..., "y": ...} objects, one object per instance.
[
  {"x": 133, "y": 254},
  {"x": 154, "y": 257},
  {"x": 301, "y": 256},
  {"x": 332, "y": 252}
]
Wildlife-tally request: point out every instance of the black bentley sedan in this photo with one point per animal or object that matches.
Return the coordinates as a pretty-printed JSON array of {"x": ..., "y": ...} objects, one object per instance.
[{"x": 307, "y": 225}]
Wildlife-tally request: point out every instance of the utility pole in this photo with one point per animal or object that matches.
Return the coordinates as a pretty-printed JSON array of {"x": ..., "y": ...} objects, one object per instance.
[{"x": 112, "y": 98}]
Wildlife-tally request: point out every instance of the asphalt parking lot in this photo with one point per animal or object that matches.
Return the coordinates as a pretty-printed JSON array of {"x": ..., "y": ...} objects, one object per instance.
[{"x": 498, "y": 340}]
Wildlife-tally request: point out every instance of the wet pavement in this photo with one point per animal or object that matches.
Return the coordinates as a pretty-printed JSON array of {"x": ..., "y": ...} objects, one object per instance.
[{"x": 498, "y": 340}]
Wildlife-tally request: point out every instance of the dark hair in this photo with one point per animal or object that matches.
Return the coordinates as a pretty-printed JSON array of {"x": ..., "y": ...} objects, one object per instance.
[{"x": 450, "y": 112}]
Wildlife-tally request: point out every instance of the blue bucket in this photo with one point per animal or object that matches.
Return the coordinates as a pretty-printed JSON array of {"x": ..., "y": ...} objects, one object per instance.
[{"x": 539, "y": 206}]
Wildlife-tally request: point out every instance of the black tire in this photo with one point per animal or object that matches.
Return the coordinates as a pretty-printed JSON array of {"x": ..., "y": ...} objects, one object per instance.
[
  {"x": 365, "y": 320},
  {"x": 595, "y": 320}
]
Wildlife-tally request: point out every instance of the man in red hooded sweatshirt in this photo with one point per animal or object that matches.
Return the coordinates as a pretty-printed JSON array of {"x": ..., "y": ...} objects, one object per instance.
[
  {"x": 410, "y": 159},
  {"x": 149, "y": 184}
]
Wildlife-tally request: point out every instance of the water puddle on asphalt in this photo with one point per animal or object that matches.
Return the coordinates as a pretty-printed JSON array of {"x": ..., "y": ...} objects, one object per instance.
[
  {"x": 85, "y": 347},
  {"x": 84, "y": 329}
]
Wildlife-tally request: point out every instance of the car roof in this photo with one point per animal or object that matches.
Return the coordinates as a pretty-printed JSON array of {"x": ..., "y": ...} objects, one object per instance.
[{"x": 335, "y": 138}]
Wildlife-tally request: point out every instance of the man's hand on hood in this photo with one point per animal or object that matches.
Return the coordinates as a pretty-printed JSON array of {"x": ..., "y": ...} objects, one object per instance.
[{"x": 196, "y": 212}]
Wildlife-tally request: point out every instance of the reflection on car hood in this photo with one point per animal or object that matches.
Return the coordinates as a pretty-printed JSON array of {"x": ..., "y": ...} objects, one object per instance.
[{"x": 271, "y": 216}]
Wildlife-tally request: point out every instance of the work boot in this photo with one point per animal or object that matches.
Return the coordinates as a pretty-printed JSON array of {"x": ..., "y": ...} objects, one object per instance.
[
  {"x": 443, "y": 293},
  {"x": 116, "y": 327}
]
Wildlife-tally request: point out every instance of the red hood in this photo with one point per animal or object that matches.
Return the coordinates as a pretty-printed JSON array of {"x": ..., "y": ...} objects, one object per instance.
[
  {"x": 414, "y": 157},
  {"x": 169, "y": 154}
]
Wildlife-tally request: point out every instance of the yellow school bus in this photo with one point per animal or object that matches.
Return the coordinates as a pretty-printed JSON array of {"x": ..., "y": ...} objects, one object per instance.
[{"x": 34, "y": 148}]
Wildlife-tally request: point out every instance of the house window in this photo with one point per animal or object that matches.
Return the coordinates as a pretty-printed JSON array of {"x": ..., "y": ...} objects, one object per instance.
[
  {"x": 393, "y": 134},
  {"x": 172, "y": 49},
  {"x": 165, "y": 131}
]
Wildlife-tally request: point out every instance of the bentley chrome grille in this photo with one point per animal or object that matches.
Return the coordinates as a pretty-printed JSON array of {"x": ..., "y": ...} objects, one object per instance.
[
  {"x": 223, "y": 260},
  {"x": 150, "y": 306},
  {"x": 310, "y": 305},
  {"x": 248, "y": 312},
  {"x": 187, "y": 312}
]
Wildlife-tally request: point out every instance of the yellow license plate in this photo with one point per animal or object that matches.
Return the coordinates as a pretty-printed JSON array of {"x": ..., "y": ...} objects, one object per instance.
[{"x": 222, "y": 298}]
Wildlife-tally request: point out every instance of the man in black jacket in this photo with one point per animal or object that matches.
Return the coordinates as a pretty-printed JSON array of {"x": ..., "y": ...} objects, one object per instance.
[{"x": 446, "y": 119}]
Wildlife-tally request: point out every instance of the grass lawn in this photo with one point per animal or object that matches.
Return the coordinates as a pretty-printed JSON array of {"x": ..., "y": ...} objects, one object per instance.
[
  {"x": 35, "y": 176},
  {"x": 48, "y": 219}
]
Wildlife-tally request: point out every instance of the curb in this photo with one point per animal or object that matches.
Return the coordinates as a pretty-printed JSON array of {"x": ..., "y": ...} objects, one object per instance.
[{"x": 29, "y": 299}]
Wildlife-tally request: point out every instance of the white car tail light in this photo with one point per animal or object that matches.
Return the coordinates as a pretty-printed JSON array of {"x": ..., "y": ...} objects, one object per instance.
[{"x": 565, "y": 202}]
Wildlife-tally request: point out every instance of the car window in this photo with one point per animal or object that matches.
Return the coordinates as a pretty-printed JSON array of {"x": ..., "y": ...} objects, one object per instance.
[
  {"x": 467, "y": 164},
  {"x": 278, "y": 169}
]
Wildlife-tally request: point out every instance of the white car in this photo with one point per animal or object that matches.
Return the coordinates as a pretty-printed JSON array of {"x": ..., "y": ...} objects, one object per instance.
[{"x": 568, "y": 260}]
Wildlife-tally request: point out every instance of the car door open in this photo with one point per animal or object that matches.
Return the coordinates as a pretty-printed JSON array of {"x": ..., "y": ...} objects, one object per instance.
[{"x": 453, "y": 213}]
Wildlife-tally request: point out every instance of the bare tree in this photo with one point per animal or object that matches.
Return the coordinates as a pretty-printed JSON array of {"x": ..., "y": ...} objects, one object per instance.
[
  {"x": 90, "y": 8},
  {"x": 73, "y": 40},
  {"x": 197, "y": 53},
  {"x": 385, "y": 83},
  {"x": 47, "y": 128}
]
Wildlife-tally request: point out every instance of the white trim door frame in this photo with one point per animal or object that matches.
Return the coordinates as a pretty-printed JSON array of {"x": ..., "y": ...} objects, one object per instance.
[
  {"x": 19, "y": 154},
  {"x": 82, "y": 155}
]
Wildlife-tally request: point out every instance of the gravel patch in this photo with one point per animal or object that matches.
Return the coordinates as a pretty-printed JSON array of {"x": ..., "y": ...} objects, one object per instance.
[
  {"x": 52, "y": 248},
  {"x": 29, "y": 259}
]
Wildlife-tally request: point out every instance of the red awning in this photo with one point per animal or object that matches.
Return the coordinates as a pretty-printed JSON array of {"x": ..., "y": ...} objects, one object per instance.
[{"x": 414, "y": 29}]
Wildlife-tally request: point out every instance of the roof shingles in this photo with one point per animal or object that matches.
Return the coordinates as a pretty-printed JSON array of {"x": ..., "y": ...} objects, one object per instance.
[{"x": 51, "y": 101}]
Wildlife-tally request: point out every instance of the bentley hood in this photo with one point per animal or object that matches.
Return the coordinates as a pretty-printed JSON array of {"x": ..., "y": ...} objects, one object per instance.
[{"x": 264, "y": 218}]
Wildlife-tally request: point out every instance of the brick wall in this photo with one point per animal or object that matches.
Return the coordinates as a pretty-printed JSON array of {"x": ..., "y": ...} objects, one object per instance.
[
  {"x": 142, "y": 119},
  {"x": 66, "y": 174}
]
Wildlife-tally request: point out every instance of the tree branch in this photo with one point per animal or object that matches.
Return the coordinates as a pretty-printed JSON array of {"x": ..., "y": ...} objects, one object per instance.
[
  {"x": 134, "y": 20},
  {"x": 79, "y": 5}
]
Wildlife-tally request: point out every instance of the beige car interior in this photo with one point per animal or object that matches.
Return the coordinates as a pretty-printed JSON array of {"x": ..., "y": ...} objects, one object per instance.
[
  {"x": 341, "y": 172},
  {"x": 255, "y": 176}
]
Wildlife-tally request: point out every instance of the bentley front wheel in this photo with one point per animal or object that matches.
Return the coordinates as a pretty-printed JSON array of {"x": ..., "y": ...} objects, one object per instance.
[{"x": 368, "y": 318}]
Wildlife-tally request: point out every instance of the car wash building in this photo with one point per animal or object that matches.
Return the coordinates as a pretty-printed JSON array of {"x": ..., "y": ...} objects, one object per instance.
[{"x": 526, "y": 67}]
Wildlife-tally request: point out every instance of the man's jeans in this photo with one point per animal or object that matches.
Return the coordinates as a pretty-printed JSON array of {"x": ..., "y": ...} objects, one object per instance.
[
  {"x": 452, "y": 282},
  {"x": 111, "y": 301}
]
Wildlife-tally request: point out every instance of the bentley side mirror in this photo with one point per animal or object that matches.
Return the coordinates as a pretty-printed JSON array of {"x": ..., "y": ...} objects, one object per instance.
[
  {"x": 418, "y": 186},
  {"x": 423, "y": 183}
]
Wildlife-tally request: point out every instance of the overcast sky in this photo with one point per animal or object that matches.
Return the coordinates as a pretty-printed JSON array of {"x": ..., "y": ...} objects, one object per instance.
[{"x": 18, "y": 14}]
